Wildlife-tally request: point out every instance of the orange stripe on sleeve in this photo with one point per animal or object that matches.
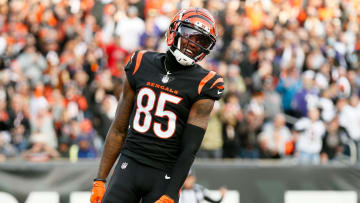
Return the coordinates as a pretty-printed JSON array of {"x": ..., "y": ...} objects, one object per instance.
[
  {"x": 220, "y": 87},
  {"x": 210, "y": 75},
  {"x": 138, "y": 61},
  {"x": 217, "y": 81}
]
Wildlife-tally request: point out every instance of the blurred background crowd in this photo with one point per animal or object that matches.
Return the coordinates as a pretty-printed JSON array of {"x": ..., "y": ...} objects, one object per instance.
[{"x": 291, "y": 70}]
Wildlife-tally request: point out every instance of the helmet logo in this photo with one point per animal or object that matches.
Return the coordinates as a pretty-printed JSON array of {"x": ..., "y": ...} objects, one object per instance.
[{"x": 202, "y": 26}]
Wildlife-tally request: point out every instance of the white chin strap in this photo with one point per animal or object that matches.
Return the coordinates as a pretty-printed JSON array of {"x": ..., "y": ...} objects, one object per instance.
[{"x": 181, "y": 57}]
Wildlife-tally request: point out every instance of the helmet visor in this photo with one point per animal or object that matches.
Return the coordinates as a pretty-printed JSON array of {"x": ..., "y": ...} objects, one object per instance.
[{"x": 196, "y": 37}]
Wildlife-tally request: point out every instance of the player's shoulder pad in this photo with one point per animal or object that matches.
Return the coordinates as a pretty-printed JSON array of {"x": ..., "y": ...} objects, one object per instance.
[
  {"x": 133, "y": 66},
  {"x": 134, "y": 63},
  {"x": 211, "y": 86}
]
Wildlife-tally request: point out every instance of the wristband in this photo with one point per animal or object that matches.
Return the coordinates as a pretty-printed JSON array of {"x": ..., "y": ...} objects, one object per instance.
[{"x": 100, "y": 179}]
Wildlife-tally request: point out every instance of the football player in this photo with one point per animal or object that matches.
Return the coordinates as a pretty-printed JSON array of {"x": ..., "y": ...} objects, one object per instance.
[{"x": 161, "y": 117}]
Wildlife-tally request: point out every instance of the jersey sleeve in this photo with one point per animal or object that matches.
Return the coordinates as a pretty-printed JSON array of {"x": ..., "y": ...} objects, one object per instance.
[
  {"x": 133, "y": 66},
  {"x": 211, "y": 87}
]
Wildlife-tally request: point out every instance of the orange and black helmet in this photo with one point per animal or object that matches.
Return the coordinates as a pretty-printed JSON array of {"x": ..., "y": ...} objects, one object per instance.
[{"x": 196, "y": 25}]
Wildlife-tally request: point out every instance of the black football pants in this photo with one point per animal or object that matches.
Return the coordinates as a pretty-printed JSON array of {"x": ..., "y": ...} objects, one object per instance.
[{"x": 133, "y": 182}]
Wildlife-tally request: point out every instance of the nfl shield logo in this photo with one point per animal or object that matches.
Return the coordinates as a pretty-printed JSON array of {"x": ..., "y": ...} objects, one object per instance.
[
  {"x": 124, "y": 165},
  {"x": 165, "y": 79}
]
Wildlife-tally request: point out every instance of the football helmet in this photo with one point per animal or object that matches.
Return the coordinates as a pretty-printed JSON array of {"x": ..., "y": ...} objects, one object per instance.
[{"x": 191, "y": 35}]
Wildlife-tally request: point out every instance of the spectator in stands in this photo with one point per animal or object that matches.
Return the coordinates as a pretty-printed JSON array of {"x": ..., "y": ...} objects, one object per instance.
[
  {"x": 130, "y": 28},
  {"x": 333, "y": 141},
  {"x": 306, "y": 96},
  {"x": 275, "y": 139},
  {"x": 349, "y": 117},
  {"x": 235, "y": 83},
  {"x": 212, "y": 144},
  {"x": 310, "y": 131},
  {"x": 272, "y": 99},
  {"x": 250, "y": 127},
  {"x": 86, "y": 150},
  {"x": 231, "y": 117},
  {"x": 40, "y": 150},
  {"x": 5, "y": 124},
  {"x": 115, "y": 54},
  {"x": 43, "y": 123},
  {"x": 102, "y": 116},
  {"x": 152, "y": 32},
  {"x": 20, "y": 124},
  {"x": 326, "y": 105},
  {"x": 37, "y": 101},
  {"x": 87, "y": 130},
  {"x": 64, "y": 146},
  {"x": 32, "y": 63},
  {"x": 287, "y": 87},
  {"x": 6, "y": 149}
]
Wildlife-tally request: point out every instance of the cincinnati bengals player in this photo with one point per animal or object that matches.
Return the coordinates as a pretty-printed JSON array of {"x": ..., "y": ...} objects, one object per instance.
[{"x": 162, "y": 116}]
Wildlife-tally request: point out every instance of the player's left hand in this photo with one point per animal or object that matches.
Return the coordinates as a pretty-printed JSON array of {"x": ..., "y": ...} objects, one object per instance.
[
  {"x": 165, "y": 199},
  {"x": 97, "y": 192}
]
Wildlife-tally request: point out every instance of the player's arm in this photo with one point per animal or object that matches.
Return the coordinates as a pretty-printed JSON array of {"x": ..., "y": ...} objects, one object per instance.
[
  {"x": 114, "y": 141},
  {"x": 190, "y": 144},
  {"x": 117, "y": 132}
]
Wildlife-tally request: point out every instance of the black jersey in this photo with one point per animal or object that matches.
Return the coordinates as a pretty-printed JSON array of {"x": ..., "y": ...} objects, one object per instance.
[{"x": 162, "y": 105}]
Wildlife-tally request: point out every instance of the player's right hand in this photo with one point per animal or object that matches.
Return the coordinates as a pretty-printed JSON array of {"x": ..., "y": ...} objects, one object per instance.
[
  {"x": 97, "y": 191},
  {"x": 165, "y": 199}
]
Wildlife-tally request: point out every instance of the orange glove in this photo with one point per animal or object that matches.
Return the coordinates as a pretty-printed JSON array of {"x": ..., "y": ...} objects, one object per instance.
[
  {"x": 97, "y": 192},
  {"x": 165, "y": 199}
]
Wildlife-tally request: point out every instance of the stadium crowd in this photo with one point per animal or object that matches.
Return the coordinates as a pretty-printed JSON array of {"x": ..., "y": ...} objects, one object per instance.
[{"x": 291, "y": 70}]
